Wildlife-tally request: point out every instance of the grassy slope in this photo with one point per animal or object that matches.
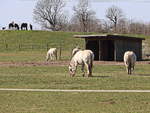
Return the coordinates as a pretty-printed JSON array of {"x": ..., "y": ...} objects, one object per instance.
[
  {"x": 43, "y": 37},
  {"x": 40, "y": 37}
]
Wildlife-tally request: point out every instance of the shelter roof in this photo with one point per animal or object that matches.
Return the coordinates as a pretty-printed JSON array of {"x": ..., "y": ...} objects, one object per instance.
[{"x": 108, "y": 37}]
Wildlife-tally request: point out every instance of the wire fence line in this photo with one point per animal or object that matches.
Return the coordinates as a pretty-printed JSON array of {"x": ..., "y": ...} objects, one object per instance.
[
  {"x": 20, "y": 47},
  {"x": 61, "y": 48},
  {"x": 32, "y": 46}
]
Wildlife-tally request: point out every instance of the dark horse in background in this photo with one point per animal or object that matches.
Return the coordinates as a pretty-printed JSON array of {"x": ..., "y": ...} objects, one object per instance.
[
  {"x": 24, "y": 26},
  {"x": 13, "y": 25},
  {"x": 16, "y": 26},
  {"x": 31, "y": 27}
]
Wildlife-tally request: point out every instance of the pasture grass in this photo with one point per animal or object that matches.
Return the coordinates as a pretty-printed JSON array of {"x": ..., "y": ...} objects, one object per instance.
[
  {"x": 52, "y": 102},
  {"x": 33, "y": 45},
  {"x": 23, "y": 56},
  {"x": 21, "y": 46},
  {"x": 53, "y": 39},
  {"x": 57, "y": 77},
  {"x": 30, "y": 56}
]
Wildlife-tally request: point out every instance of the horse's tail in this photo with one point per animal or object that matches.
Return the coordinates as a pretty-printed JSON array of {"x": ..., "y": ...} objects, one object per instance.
[
  {"x": 130, "y": 65},
  {"x": 91, "y": 60},
  {"x": 56, "y": 54}
]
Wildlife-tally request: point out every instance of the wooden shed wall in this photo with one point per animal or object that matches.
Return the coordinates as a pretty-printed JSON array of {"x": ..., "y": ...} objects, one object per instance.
[
  {"x": 103, "y": 50},
  {"x": 121, "y": 46},
  {"x": 94, "y": 46}
]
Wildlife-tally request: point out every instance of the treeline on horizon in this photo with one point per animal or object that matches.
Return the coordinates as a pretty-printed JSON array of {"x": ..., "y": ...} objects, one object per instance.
[{"x": 49, "y": 15}]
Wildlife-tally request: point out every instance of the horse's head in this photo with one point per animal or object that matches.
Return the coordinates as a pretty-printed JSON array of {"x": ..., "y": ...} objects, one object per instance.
[{"x": 72, "y": 70}]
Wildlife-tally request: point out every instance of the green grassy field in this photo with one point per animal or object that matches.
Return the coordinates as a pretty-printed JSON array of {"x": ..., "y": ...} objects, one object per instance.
[
  {"x": 37, "y": 102},
  {"x": 106, "y": 77},
  {"x": 53, "y": 39},
  {"x": 33, "y": 45},
  {"x": 51, "y": 77},
  {"x": 57, "y": 77}
]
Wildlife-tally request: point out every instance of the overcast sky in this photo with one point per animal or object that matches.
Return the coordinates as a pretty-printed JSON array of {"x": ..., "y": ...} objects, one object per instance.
[{"x": 22, "y": 10}]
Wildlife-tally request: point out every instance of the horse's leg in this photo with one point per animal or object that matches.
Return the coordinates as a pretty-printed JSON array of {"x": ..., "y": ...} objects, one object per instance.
[
  {"x": 50, "y": 57},
  {"x": 128, "y": 70},
  {"x": 91, "y": 66},
  {"x": 82, "y": 69},
  {"x": 53, "y": 57},
  {"x": 88, "y": 71},
  {"x": 56, "y": 55},
  {"x": 47, "y": 57},
  {"x": 133, "y": 67}
]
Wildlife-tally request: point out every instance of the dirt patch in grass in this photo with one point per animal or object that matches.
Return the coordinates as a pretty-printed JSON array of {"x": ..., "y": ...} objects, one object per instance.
[
  {"x": 53, "y": 63},
  {"x": 63, "y": 63},
  {"x": 111, "y": 101}
]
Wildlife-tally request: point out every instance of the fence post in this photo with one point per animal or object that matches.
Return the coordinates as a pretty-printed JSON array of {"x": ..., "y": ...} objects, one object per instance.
[
  {"x": 32, "y": 47},
  {"x": 19, "y": 47},
  {"x": 60, "y": 52},
  {"x": 6, "y": 46},
  {"x": 47, "y": 46}
]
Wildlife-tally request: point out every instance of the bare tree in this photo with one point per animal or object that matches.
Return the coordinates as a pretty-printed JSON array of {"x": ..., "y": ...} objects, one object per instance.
[
  {"x": 83, "y": 14},
  {"x": 114, "y": 14},
  {"x": 122, "y": 26},
  {"x": 49, "y": 14}
]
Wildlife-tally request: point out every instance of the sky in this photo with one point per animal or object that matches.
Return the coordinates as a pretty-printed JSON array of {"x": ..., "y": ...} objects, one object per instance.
[{"x": 21, "y": 11}]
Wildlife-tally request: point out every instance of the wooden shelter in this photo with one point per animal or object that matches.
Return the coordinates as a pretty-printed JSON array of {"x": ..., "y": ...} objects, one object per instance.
[{"x": 112, "y": 47}]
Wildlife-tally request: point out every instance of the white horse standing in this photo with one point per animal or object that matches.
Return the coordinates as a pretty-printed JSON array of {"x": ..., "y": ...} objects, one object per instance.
[
  {"x": 84, "y": 57},
  {"x": 129, "y": 60},
  {"x": 51, "y": 54}
]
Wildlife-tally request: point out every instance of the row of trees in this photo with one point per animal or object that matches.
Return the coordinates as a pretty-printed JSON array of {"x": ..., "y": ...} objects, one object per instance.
[{"x": 49, "y": 14}]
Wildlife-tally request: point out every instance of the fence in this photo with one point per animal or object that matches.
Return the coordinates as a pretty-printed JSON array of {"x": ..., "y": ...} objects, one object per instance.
[{"x": 62, "y": 49}]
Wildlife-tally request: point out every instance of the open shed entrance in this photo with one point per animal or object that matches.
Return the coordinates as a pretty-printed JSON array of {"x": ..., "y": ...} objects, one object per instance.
[
  {"x": 103, "y": 49},
  {"x": 107, "y": 50},
  {"x": 112, "y": 47},
  {"x": 93, "y": 45}
]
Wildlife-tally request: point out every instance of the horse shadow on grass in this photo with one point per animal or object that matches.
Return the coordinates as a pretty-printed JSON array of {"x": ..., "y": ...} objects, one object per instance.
[
  {"x": 96, "y": 76},
  {"x": 141, "y": 74}
]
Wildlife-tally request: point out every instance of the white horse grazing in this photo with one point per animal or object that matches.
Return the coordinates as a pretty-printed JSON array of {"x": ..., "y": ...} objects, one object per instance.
[
  {"x": 51, "y": 54},
  {"x": 129, "y": 60},
  {"x": 84, "y": 57},
  {"x": 75, "y": 50}
]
